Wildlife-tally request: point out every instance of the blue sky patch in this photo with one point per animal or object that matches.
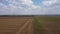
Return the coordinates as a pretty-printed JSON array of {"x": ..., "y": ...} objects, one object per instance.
[
  {"x": 5, "y": 2},
  {"x": 37, "y": 2}
]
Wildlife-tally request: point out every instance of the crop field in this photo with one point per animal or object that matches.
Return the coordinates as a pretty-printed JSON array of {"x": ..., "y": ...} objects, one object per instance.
[
  {"x": 30, "y": 25},
  {"x": 16, "y": 25},
  {"x": 49, "y": 24}
]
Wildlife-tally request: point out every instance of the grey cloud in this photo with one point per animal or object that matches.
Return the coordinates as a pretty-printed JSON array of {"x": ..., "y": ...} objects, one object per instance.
[{"x": 54, "y": 9}]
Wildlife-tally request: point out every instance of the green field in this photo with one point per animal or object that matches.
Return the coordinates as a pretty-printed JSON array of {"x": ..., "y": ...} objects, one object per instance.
[
  {"x": 49, "y": 18},
  {"x": 47, "y": 25}
]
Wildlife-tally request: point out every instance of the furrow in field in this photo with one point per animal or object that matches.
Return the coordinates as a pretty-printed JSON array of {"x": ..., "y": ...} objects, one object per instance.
[{"x": 11, "y": 27}]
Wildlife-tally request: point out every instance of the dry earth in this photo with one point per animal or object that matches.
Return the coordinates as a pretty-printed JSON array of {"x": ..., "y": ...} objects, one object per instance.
[
  {"x": 51, "y": 27},
  {"x": 16, "y": 25}
]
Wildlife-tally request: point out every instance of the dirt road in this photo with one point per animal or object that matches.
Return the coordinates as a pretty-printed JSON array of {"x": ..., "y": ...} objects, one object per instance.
[{"x": 27, "y": 28}]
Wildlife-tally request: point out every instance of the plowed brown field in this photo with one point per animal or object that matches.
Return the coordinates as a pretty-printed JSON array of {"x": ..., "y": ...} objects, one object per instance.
[{"x": 16, "y": 25}]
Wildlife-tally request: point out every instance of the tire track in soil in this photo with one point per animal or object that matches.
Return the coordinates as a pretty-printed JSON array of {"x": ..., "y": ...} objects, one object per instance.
[
  {"x": 28, "y": 29},
  {"x": 24, "y": 31},
  {"x": 23, "y": 26}
]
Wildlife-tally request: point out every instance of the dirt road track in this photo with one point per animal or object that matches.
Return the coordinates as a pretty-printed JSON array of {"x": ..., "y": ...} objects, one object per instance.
[{"x": 27, "y": 28}]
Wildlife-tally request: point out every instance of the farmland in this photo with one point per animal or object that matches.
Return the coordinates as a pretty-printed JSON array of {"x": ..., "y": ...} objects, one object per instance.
[
  {"x": 50, "y": 24},
  {"x": 16, "y": 25},
  {"x": 30, "y": 25}
]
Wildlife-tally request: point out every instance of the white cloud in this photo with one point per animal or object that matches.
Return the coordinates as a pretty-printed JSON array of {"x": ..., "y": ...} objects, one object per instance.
[
  {"x": 26, "y": 7},
  {"x": 49, "y": 2},
  {"x": 54, "y": 8},
  {"x": 16, "y": 7}
]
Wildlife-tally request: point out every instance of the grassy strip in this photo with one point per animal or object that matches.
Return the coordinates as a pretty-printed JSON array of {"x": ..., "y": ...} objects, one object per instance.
[
  {"x": 37, "y": 23},
  {"x": 37, "y": 26}
]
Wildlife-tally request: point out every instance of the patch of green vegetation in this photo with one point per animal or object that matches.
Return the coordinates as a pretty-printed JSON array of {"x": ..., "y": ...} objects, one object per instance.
[
  {"x": 37, "y": 23},
  {"x": 37, "y": 26}
]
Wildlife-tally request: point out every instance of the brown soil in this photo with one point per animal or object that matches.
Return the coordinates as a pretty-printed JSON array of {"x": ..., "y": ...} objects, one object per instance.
[
  {"x": 27, "y": 28},
  {"x": 51, "y": 27},
  {"x": 16, "y": 25}
]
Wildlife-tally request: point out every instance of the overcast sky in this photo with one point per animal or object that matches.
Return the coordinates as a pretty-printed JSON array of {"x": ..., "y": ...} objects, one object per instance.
[{"x": 29, "y": 7}]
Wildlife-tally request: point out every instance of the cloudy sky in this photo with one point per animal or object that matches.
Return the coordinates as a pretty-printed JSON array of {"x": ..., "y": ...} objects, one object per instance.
[{"x": 29, "y": 7}]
